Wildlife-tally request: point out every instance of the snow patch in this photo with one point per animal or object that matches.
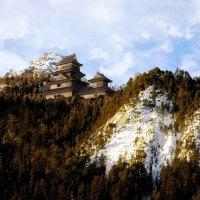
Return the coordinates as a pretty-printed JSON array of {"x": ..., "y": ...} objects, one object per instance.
[
  {"x": 142, "y": 137},
  {"x": 46, "y": 63},
  {"x": 144, "y": 131}
]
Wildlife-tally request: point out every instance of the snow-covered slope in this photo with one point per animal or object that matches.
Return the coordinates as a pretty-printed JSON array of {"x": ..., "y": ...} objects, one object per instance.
[
  {"x": 143, "y": 131},
  {"x": 45, "y": 63}
]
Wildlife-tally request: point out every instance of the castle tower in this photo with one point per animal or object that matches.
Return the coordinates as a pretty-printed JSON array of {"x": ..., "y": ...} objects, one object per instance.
[
  {"x": 99, "y": 80},
  {"x": 70, "y": 67},
  {"x": 99, "y": 87},
  {"x": 67, "y": 79}
]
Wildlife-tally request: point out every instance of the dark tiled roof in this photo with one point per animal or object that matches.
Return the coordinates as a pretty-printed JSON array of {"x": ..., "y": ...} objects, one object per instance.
[
  {"x": 69, "y": 59},
  {"x": 99, "y": 77}
]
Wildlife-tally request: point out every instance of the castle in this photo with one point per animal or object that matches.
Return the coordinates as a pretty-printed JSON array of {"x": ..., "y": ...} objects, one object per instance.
[{"x": 68, "y": 81}]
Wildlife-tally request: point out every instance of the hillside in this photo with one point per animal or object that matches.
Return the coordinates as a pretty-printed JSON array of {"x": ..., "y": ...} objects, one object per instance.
[
  {"x": 144, "y": 130},
  {"x": 142, "y": 143}
]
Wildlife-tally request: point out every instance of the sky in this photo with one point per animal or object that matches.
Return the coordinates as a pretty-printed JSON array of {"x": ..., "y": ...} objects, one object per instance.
[{"x": 116, "y": 37}]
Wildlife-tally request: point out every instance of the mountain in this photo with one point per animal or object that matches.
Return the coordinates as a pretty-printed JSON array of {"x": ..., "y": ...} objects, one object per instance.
[
  {"x": 45, "y": 63},
  {"x": 141, "y": 143},
  {"x": 144, "y": 130}
]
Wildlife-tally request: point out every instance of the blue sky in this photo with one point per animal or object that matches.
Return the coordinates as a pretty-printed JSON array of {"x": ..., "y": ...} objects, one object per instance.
[{"x": 116, "y": 37}]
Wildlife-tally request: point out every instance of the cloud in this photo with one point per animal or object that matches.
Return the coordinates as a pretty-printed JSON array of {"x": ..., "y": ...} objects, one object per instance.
[
  {"x": 10, "y": 61},
  {"x": 116, "y": 36},
  {"x": 191, "y": 63},
  {"x": 13, "y": 22},
  {"x": 119, "y": 68},
  {"x": 191, "y": 66},
  {"x": 98, "y": 54}
]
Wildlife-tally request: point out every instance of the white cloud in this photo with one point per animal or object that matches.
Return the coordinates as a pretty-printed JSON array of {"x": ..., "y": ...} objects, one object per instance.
[
  {"x": 103, "y": 31},
  {"x": 13, "y": 22},
  {"x": 190, "y": 33},
  {"x": 119, "y": 68},
  {"x": 166, "y": 47},
  {"x": 145, "y": 35},
  {"x": 191, "y": 66},
  {"x": 10, "y": 61},
  {"x": 191, "y": 63},
  {"x": 98, "y": 54}
]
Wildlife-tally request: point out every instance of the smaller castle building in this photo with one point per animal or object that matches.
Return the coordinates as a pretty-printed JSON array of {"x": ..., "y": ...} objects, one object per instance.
[{"x": 68, "y": 81}]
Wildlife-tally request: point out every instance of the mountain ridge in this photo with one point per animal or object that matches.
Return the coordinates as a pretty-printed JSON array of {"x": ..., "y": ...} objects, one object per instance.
[{"x": 148, "y": 132}]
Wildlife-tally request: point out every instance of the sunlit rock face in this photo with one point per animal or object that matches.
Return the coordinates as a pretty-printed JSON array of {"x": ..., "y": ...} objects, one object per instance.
[{"x": 144, "y": 131}]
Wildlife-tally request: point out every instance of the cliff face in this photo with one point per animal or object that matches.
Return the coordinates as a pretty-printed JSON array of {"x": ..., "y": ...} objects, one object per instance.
[{"x": 145, "y": 130}]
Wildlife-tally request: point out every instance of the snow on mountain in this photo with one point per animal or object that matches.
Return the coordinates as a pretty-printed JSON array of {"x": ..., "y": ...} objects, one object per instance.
[
  {"x": 143, "y": 131},
  {"x": 45, "y": 63}
]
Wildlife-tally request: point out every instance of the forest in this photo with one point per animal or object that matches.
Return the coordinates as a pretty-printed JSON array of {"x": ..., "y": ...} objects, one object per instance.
[{"x": 40, "y": 155}]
